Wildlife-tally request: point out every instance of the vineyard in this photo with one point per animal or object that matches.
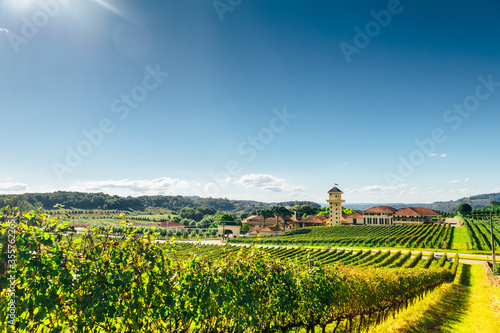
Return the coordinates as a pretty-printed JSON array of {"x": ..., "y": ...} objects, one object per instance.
[
  {"x": 479, "y": 233},
  {"x": 333, "y": 257},
  {"x": 133, "y": 283},
  {"x": 432, "y": 236}
]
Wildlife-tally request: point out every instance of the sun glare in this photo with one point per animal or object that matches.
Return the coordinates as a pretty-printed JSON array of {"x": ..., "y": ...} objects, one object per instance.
[{"x": 109, "y": 7}]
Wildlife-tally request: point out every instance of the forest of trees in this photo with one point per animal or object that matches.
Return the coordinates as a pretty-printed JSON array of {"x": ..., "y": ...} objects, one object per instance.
[
  {"x": 493, "y": 207},
  {"x": 79, "y": 200}
]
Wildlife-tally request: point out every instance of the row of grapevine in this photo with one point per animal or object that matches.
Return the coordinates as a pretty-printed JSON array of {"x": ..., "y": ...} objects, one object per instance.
[
  {"x": 475, "y": 244},
  {"x": 417, "y": 236},
  {"x": 414, "y": 261},
  {"x": 377, "y": 259},
  {"x": 427, "y": 263},
  {"x": 389, "y": 260},
  {"x": 401, "y": 261},
  {"x": 425, "y": 240},
  {"x": 479, "y": 233},
  {"x": 447, "y": 238},
  {"x": 406, "y": 236},
  {"x": 351, "y": 258},
  {"x": 162, "y": 232},
  {"x": 436, "y": 240},
  {"x": 99, "y": 283}
]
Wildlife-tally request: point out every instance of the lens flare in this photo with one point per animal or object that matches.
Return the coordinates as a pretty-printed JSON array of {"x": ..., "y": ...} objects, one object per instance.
[{"x": 110, "y": 7}]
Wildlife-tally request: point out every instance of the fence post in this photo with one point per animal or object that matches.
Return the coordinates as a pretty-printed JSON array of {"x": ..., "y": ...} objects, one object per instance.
[{"x": 492, "y": 241}]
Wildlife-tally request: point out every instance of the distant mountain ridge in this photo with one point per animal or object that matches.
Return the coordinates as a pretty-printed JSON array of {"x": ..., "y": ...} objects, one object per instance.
[
  {"x": 397, "y": 205},
  {"x": 476, "y": 201}
]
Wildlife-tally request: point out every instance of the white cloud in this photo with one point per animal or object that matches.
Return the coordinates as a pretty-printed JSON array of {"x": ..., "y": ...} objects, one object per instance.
[
  {"x": 268, "y": 183},
  {"x": 432, "y": 155},
  {"x": 225, "y": 180},
  {"x": 10, "y": 187},
  {"x": 125, "y": 187},
  {"x": 495, "y": 190},
  {"x": 3, "y": 31},
  {"x": 379, "y": 188},
  {"x": 460, "y": 180},
  {"x": 443, "y": 155}
]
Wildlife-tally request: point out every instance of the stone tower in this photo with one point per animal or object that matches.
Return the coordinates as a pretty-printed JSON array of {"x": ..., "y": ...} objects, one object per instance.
[{"x": 335, "y": 202}]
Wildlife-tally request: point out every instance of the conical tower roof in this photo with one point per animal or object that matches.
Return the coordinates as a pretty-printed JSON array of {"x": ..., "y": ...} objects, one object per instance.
[{"x": 335, "y": 190}]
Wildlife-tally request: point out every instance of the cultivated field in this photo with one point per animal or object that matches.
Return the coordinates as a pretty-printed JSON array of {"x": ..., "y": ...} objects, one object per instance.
[
  {"x": 128, "y": 281},
  {"x": 472, "y": 236}
]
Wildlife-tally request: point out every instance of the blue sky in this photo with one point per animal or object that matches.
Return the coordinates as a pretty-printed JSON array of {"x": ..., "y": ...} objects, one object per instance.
[{"x": 396, "y": 101}]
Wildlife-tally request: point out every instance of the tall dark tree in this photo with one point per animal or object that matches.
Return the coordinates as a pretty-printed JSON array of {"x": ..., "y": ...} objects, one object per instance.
[
  {"x": 283, "y": 212},
  {"x": 464, "y": 209},
  {"x": 306, "y": 210},
  {"x": 265, "y": 213},
  {"x": 226, "y": 217}
]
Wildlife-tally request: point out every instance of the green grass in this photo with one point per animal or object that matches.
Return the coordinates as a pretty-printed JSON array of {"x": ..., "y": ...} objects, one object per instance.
[
  {"x": 163, "y": 216},
  {"x": 467, "y": 305},
  {"x": 483, "y": 312},
  {"x": 460, "y": 238},
  {"x": 97, "y": 222}
]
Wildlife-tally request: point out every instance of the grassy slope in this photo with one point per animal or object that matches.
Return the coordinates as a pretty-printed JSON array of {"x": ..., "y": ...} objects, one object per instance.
[
  {"x": 483, "y": 313},
  {"x": 468, "y": 305},
  {"x": 460, "y": 238}
]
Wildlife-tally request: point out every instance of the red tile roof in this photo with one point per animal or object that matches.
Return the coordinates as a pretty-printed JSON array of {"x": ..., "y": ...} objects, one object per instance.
[
  {"x": 406, "y": 211},
  {"x": 416, "y": 211},
  {"x": 380, "y": 209},
  {"x": 425, "y": 211},
  {"x": 314, "y": 219},
  {"x": 270, "y": 229},
  {"x": 354, "y": 215},
  {"x": 253, "y": 218}
]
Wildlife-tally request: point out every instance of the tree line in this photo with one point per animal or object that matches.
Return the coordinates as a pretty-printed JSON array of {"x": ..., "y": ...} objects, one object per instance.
[{"x": 87, "y": 201}]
